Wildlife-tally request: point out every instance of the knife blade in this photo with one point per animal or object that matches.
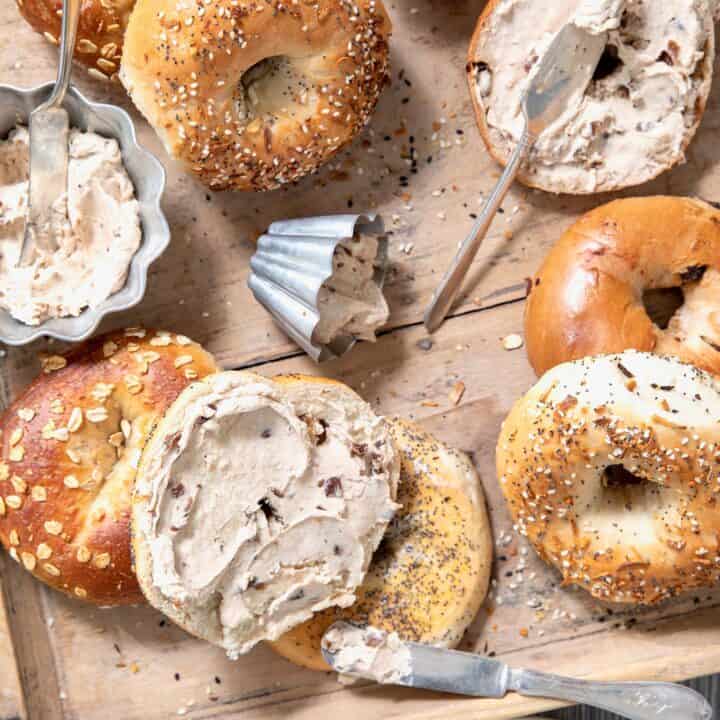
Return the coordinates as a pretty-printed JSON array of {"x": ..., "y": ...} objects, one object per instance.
[{"x": 374, "y": 654}]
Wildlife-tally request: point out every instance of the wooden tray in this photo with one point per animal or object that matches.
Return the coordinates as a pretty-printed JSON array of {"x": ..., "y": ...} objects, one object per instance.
[{"x": 62, "y": 659}]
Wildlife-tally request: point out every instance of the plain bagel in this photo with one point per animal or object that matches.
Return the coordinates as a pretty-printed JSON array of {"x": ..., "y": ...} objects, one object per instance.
[
  {"x": 431, "y": 572},
  {"x": 71, "y": 443},
  {"x": 611, "y": 468},
  {"x": 639, "y": 112},
  {"x": 100, "y": 30},
  {"x": 255, "y": 94},
  {"x": 587, "y": 297}
]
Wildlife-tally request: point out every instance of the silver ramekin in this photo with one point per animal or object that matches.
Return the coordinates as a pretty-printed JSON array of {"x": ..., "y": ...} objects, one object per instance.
[{"x": 148, "y": 177}]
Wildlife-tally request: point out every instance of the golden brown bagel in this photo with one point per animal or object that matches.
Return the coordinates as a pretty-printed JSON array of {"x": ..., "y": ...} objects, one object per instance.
[
  {"x": 639, "y": 112},
  {"x": 611, "y": 468},
  {"x": 251, "y": 95},
  {"x": 70, "y": 448},
  {"x": 430, "y": 574},
  {"x": 100, "y": 30},
  {"x": 587, "y": 297}
]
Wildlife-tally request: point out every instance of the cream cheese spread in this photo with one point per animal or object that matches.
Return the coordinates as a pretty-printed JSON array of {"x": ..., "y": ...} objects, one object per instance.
[
  {"x": 99, "y": 231},
  {"x": 638, "y": 112},
  {"x": 350, "y": 302},
  {"x": 368, "y": 652},
  {"x": 265, "y": 503}
]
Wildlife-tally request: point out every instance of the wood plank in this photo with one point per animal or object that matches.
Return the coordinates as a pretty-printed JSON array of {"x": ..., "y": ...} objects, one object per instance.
[
  {"x": 206, "y": 266},
  {"x": 136, "y": 653},
  {"x": 11, "y": 699}
]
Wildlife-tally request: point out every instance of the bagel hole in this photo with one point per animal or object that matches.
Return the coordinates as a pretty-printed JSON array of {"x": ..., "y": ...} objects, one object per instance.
[
  {"x": 618, "y": 476},
  {"x": 273, "y": 87},
  {"x": 662, "y": 303}
]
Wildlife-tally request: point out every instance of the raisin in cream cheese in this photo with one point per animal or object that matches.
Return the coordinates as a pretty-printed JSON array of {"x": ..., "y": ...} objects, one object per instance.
[
  {"x": 99, "y": 222},
  {"x": 639, "y": 111},
  {"x": 260, "y": 502}
]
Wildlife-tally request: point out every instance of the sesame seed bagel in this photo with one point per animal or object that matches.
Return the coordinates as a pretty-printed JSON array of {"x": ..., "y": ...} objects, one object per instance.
[
  {"x": 258, "y": 502},
  {"x": 589, "y": 295},
  {"x": 101, "y": 28},
  {"x": 253, "y": 94},
  {"x": 70, "y": 448},
  {"x": 637, "y": 115},
  {"x": 430, "y": 575},
  {"x": 611, "y": 467}
]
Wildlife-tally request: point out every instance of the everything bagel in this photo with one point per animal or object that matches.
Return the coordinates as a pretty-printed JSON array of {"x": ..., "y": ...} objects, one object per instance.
[
  {"x": 611, "y": 468},
  {"x": 253, "y": 95},
  {"x": 587, "y": 298}
]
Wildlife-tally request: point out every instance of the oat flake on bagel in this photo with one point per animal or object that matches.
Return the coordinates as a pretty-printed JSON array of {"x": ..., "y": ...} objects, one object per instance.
[
  {"x": 611, "y": 468},
  {"x": 639, "y": 112}
]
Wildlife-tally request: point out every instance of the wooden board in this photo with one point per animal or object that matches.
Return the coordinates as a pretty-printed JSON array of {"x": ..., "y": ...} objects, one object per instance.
[{"x": 79, "y": 662}]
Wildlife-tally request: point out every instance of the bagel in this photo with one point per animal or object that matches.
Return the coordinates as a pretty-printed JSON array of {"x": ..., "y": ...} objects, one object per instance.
[
  {"x": 430, "y": 575},
  {"x": 587, "y": 297},
  {"x": 611, "y": 468},
  {"x": 70, "y": 448},
  {"x": 255, "y": 94},
  {"x": 258, "y": 502},
  {"x": 101, "y": 28},
  {"x": 640, "y": 110}
]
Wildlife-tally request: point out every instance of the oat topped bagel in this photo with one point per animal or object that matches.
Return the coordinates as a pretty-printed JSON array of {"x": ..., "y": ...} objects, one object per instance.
[
  {"x": 71, "y": 443},
  {"x": 253, "y": 94},
  {"x": 639, "y": 112},
  {"x": 611, "y": 468},
  {"x": 593, "y": 292},
  {"x": 101, "y": 28}
]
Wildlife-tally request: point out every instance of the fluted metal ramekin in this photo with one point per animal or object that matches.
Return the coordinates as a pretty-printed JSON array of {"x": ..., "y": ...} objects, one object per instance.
[{"x": 148, "y": 177}]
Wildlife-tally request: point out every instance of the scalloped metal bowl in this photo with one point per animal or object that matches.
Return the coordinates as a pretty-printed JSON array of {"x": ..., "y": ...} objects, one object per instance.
[{"x": 148, "y": 177}]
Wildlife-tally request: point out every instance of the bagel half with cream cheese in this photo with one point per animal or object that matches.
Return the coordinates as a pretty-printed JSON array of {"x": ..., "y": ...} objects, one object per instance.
[
  {"x": 249, "y": 94},
  {"x": 639, "y": 112},
  {"x": 71, "y": 444},
  {"x": 592, "y": 293},
  {"x": 259, "y": 502},
  {"x": 611, "y": 468},
  {"x": 430, "y": 575}
]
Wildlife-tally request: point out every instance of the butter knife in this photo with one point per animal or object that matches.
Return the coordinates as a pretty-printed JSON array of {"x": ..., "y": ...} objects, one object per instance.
[{"x": 462, "y": 673}]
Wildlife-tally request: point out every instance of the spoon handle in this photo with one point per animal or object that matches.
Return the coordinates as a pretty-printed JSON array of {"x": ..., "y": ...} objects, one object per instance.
[
  {"x": 68, "y": 34},
  {"x": 632, "y": 700},
  {"x": 447, "y": 291}
]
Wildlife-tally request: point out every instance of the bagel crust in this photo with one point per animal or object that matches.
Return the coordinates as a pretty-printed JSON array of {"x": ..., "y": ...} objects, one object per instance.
[
  {"x": 430, "y": 575},
  {"x": 640, "y": 110},
  {"x": 611, "y": 468},
  {"x": 254, "y": 94},
  {"x": 71, "y": 444},
  {"x": 587, "y": 297},
  {"x": 101, "y": 28}
]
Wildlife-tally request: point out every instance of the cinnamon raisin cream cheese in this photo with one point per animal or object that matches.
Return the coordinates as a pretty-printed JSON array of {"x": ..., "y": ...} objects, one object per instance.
[
  {"x": 638, "y": 113},
  {"x": 351, "y": 302},
  {"x": 259, "y": 502},
  {"x": 368, "y": 652},
  {"x": 99, "y": 231}
]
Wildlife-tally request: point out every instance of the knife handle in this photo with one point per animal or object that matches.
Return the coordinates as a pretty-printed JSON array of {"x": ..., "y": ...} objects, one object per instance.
[{"x": 632, "y": 700}]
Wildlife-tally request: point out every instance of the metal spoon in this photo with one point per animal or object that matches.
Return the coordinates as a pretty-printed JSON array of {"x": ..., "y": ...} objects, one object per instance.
[
  {"x": 565, "y": 69},
  {"x": 49, "y": 132}
]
